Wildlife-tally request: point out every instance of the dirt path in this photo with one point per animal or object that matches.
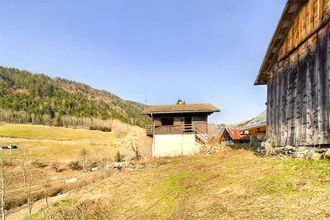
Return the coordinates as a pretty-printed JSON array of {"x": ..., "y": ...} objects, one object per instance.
[{"x": 22, "y": 212}]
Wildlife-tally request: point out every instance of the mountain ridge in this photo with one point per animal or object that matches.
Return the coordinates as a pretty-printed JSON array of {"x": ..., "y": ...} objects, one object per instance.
[{"x": 36, "y": 97}]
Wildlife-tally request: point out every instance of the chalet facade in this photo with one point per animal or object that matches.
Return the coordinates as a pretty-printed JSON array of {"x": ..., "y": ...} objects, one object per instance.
[
  {"x": 178, "y": 129},
  {"x": 296, "y": 72},
  {"x": 257, "y": 127}
]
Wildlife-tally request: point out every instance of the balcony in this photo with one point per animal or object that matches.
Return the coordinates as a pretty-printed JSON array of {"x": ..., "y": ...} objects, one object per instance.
[{"x": 201, "y": 134}]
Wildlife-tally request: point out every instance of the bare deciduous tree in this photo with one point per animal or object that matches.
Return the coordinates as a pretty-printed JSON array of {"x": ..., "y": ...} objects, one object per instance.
[
  {"x": 27, "y": 181},
  {"x": 4, "y": 185},
  {"x": 83, "y": 156},
  {"x": 46, "y": 185}
]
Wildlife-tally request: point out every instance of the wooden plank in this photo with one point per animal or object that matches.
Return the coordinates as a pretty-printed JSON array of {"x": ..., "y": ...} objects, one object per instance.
[
  {"x": 298, "y": 105},
  {"x": 303, "y": 70},
  {"x": 328, "y": 84}
]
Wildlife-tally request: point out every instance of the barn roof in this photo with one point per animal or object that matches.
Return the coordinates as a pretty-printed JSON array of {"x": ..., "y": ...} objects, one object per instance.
[
  {"x": 235, "y": 134},
  {"x": 180, "y": 108},
  {"x": 292, "y": 7},
  {"x": 256, "y": 122}
]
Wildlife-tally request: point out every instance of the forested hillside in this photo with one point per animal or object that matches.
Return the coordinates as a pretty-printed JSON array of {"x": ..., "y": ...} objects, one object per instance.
[{"x": 39, "y": 99}]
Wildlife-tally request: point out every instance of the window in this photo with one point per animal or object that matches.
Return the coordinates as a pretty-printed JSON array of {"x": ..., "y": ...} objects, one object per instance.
[{"x": 167, "y": 121}]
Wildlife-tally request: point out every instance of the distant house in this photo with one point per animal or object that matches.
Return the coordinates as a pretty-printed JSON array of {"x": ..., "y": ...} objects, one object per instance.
[
  {"x": 178, "y": 129},
  {"x": 233, "y": 136},
  {"x": 256, "y": 127}
]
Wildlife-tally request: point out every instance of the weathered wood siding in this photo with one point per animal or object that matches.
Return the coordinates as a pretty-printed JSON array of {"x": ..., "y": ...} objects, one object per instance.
[
  {"x": 199, "y": 121},
  {"x": 309, "y": 18},
  {"x": 298, "y": 104},
  {"x": 169, "y": 129}
]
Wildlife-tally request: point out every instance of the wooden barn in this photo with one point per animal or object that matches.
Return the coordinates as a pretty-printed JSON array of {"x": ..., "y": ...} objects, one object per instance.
[
  {"x": 297, "y": 74},
  {"x": 178, "y": 129}
]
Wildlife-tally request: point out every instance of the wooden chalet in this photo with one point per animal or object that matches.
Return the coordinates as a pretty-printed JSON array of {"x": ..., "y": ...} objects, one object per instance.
[
  {"x": 232, "y": 136},
  {"x": 178, "y": 129},
  {"x": 296, "y": 72},
  {"x": 256, "y": 127}
]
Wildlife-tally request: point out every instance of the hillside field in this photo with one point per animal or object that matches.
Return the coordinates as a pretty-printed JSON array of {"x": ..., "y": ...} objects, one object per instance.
[
  {"x": 49, "y": 151},
  {"x": 65, "y": 144}
]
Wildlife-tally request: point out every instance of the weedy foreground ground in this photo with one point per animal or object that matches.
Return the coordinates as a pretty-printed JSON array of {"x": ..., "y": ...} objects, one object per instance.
[{"x": 234, "y": 184}]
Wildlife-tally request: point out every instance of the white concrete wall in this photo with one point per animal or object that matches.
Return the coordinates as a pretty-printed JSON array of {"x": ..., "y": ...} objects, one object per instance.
[{"x": 174, "y": 145}]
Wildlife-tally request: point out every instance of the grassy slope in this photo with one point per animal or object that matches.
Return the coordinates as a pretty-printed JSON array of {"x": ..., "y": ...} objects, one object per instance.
[
  {"x": 62, "y": 144},
  {"x": 59, "y": 146},
  {"x": 232, "y": 184}
]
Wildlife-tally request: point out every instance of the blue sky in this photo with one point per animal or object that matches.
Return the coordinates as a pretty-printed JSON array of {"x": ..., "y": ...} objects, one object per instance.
[{"x": 203, "y": 51}]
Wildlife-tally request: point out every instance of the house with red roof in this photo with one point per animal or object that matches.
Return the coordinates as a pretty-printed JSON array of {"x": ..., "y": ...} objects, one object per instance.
[{"x": 232, "y": 136}]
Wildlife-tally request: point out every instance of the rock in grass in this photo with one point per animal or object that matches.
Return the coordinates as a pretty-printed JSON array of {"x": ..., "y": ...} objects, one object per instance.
[
  {"x": 327, "y": 154},
  {"x": 316, "y": 156},
  {"x": 71, "y": 180}
]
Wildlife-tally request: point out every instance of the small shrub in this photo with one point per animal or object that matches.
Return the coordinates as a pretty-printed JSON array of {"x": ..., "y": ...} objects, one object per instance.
[
  {"x": 56, "y": 167},
  {"x": 98, "y": 128},
  {"x": 135, "y": 149},
  {"x": 39, "y": 165},
  {"x": 96, "y": 164},
  {"x": 74, "y": 165},
  {"x": 7, "y": 163},
  {"x": 118, "y": 157},
  {"x": 120, "y": 134}
]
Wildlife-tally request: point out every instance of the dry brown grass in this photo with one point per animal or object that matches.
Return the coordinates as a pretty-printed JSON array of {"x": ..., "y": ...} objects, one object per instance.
[
  {"x": 49, "y": 151},
  {"x": 233, "y": 184},
  {"x": 65, "y": 144},
  {"x": 38, "y": 175}
]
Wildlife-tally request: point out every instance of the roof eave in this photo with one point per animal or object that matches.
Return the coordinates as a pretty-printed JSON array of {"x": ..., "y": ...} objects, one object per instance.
[
  {"x": 289, "y": 12},
  {"x": 254, "y": 127},
  {"x": 178, "y": 112}
]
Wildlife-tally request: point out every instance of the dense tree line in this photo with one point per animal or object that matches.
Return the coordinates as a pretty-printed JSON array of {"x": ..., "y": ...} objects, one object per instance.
[{"x": 39, "y": 99}]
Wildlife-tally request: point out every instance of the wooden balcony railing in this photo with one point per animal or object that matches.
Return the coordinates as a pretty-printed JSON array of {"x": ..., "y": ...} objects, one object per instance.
[{"x": 201, "y": 136}]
